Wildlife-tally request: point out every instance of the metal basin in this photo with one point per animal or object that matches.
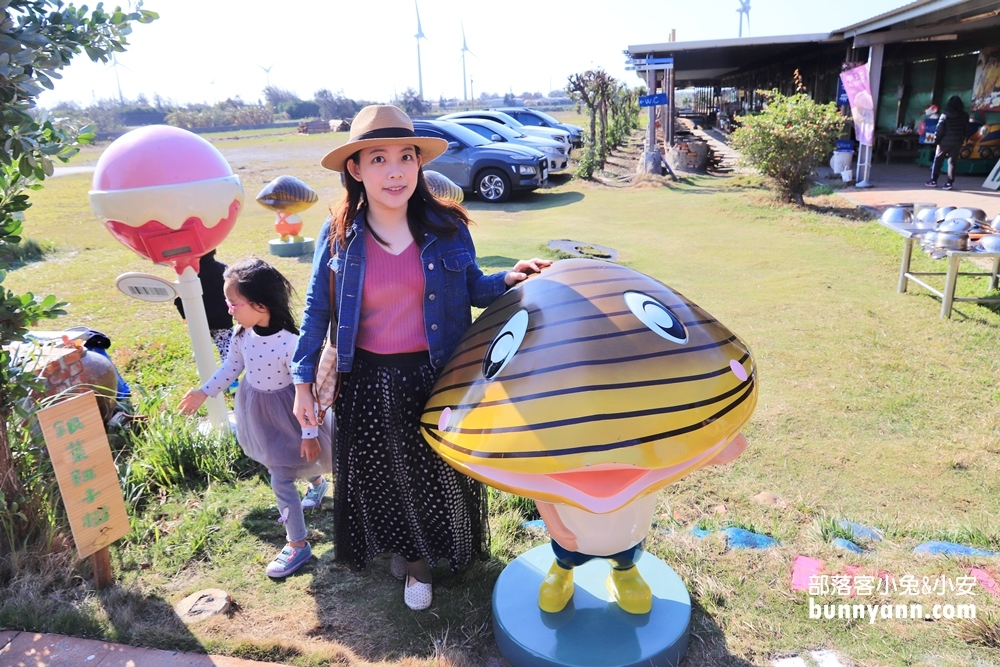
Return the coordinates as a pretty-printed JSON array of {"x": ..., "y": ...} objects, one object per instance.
[
  {"x": 926, "y": 215},
  {"x": 943, "y": 212},
  {"x": 897, "y": 215},
  {"x": 990, "y": 242},
  {"x": 968, "y": 214}
]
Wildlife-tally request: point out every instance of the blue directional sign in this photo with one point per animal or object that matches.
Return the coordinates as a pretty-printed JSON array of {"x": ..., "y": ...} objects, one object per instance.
[{"x": 660, "y": 99}]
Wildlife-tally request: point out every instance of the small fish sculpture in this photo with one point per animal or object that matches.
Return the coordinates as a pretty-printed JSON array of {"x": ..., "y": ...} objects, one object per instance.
[
  {"x": 287, "y": 196},
  {"x": 588, "y": 388}
]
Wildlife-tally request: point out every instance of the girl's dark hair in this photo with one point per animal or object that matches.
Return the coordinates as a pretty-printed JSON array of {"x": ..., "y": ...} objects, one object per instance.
[
  {"x": 260, "y": 283},
  {"x": 421, "y": 204},
  {"x": 954, "y": 104}
]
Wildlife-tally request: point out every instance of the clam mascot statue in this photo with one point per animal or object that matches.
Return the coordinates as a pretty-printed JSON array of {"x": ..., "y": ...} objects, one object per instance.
[
  {"x": 287, "y": 196},
  {"x": 588, "y": 388}
]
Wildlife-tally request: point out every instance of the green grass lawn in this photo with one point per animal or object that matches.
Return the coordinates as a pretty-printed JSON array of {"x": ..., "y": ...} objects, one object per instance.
[{"x": 871, "y": 409}]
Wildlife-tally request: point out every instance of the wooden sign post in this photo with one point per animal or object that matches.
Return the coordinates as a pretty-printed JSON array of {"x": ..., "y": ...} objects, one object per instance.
[{"x": 88, "y": 479}]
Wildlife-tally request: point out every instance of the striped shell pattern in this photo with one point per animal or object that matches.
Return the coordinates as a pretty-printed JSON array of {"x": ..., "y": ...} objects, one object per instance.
[{"x": 287, "y": 194}]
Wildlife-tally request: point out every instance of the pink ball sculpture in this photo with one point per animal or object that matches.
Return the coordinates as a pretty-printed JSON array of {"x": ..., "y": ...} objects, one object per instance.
[{"x": 167, "y": 194}]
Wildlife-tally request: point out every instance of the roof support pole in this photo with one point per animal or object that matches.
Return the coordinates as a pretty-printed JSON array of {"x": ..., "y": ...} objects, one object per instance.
[
  {"x": 668, "y": 85},
  {"x": 651, "y": 128}
]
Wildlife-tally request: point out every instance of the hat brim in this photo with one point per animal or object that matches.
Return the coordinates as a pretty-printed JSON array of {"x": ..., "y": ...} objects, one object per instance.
[{"x": 430, "y": 148}]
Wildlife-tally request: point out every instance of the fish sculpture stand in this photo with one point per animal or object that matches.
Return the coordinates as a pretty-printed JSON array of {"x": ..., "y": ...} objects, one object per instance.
[
  {"x": 287, "y": 196},
  {"x": 588, "y": 388}
]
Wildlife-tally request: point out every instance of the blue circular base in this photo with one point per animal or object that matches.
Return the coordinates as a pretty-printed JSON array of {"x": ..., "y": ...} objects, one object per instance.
[
  {"x": 592, "y": 631},
  {"x": 291, "y": 248}
]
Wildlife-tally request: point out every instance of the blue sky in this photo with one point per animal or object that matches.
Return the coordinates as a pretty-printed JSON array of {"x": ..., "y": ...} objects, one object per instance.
[{"x": 208, "y": 50}]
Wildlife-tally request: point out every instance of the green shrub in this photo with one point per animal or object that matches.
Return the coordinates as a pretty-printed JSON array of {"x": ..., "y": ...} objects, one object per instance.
[
  {"x": 788, "y": 139},
  {"x": 297, "y": 109}
]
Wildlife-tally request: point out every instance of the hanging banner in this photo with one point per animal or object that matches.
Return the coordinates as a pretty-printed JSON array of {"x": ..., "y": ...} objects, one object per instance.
[
  {"x": 859, "y": 93},
  {"x": 986, "y": 89}
]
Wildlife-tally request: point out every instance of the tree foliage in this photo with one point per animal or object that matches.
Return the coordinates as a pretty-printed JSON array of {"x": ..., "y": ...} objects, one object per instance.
[
  {"x": 602, "y": 94},
  {"x": 411, "y": 102},
  {"x": 335, "y": 105},
  {"x": 788, "y": 139},
  {"x": 38, "y": 38}
]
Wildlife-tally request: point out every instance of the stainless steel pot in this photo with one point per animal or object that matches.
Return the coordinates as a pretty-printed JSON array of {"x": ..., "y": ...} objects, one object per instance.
[
  {"x": 952, "y": 240},
  {"x": 897, "y": 215}
]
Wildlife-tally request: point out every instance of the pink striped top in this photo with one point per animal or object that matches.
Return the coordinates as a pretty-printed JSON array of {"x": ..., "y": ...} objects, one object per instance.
[{"x": 392, "y": 310}]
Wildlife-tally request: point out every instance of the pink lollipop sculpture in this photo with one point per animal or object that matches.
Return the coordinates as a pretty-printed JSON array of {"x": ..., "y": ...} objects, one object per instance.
[{"x": 171, "y": 197}]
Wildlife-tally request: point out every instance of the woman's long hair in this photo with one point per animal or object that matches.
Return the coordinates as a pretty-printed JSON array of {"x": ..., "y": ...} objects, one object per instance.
[
  {"x": 418, "y": 210},
  {"x": 954, "y": 105},
  {"x": 260, "y": 283}
]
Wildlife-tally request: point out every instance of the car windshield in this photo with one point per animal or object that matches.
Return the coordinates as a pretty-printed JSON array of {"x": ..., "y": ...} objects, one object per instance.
[
  {"x": 462, "y": 133},
  {"x": 546, "y": 117},
  {"x": 496, "y": 128}
]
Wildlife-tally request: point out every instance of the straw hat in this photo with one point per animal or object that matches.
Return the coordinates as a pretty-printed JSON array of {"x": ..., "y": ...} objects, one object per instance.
[{"x": 381, "y": 125}]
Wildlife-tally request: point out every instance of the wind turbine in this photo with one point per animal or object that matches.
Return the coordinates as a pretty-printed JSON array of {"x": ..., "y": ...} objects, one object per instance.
[
  {"x": 419, "y": 36},
  {"x": 267, "y": 73},
  {"x": 744, "y": 9},
  {"x": 115, "y": 64},
  {"x": 465, "y": 91}
]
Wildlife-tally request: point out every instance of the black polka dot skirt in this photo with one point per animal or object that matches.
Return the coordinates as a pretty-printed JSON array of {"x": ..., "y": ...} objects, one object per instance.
[{"x": 393, "y": 493}]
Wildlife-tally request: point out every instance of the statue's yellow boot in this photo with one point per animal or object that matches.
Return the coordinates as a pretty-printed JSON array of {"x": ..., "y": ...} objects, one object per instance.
[
  {"x": 556, "y": 590},
  {"x": 630, "y": 590}
]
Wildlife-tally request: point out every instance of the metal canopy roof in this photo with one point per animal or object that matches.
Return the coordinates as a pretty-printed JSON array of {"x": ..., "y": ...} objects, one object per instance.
[
  {"x": 705, "y": 62},
  {"x": 966, "y": 15}
]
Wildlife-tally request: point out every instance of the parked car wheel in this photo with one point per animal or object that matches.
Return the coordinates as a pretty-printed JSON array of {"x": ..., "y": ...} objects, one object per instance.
[
  {"x": 987, "y": 152},
  {"x": 964, "y": 152},
  {"x": 493, "y": 185}
]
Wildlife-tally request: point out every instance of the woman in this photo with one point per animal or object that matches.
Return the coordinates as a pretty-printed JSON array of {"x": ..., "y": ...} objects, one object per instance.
[
  {"x": 406, "y": 278},
  {"x": 952, "y": 130}
]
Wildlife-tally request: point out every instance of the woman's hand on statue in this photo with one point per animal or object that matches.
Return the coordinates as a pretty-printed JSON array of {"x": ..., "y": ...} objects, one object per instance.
[
  {"x": 525, "y": 268},
  {"x": 191, "y": 402}
]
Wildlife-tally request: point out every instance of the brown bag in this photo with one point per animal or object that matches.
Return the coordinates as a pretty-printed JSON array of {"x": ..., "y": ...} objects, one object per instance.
[{"x": 327, "y": 384}]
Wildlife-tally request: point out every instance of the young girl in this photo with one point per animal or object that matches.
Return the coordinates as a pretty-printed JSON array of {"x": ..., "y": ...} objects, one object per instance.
[
  {"x": 258, "y": 297},
  {"x": 406, "y": 278}
]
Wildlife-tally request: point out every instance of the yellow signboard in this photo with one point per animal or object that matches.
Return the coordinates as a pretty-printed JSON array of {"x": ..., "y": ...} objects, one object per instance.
[{"x": 85, "y": 470}]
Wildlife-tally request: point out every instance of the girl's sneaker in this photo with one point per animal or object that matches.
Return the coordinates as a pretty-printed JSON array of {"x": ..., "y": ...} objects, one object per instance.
[
  {"x": 314, "y": 495},
  {"x": 947, "y": 185},
  {"x": 289, "y": 560}
]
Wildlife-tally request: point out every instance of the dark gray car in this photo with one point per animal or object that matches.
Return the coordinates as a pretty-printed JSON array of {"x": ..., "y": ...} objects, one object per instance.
[
  {"x": 492, "y": 171},
  {"x": 536, "y": 118}
]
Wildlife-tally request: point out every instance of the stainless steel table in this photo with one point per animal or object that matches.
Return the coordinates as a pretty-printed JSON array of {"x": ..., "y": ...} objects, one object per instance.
[{"x": 953, "y": 257}]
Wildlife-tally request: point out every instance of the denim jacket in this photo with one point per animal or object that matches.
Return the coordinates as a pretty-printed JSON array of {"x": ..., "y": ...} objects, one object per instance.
[{"x": 453, "y": 283}]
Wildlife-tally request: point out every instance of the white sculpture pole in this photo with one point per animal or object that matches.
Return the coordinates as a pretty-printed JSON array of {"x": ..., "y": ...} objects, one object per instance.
[{"x": 189, "y": 289}]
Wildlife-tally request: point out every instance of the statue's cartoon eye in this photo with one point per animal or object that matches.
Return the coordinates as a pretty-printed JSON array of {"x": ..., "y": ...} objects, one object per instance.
[
  {"x": 657, "y": 317},
  {"x": 505, "y": 345}
]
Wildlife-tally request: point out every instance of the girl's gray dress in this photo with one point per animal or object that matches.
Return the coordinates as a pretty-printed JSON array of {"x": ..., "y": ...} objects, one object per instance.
[{"x": 266, "y": 428}]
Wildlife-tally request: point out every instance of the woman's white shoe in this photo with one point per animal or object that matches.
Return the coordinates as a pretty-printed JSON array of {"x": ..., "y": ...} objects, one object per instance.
[{"x": 417, "y": 595}]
